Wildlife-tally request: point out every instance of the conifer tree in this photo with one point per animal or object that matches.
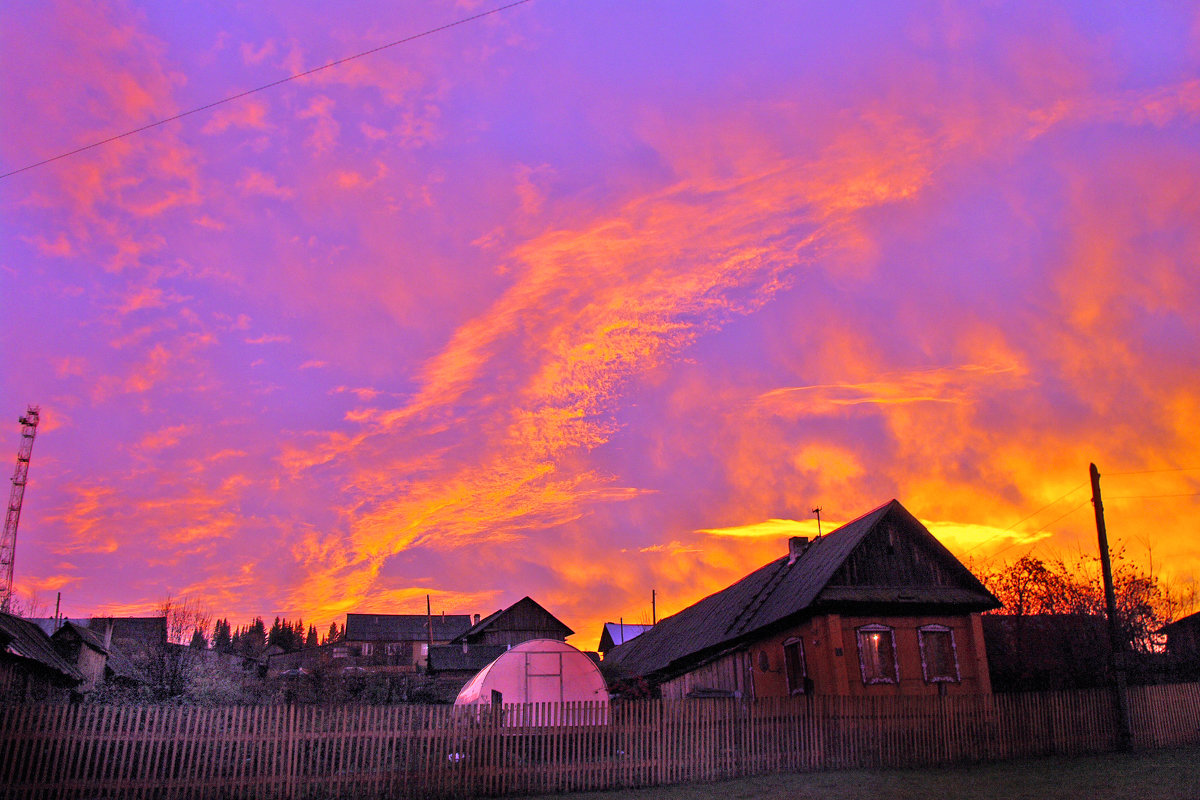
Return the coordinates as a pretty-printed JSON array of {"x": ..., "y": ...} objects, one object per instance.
[{"x": 222, "y": 641}]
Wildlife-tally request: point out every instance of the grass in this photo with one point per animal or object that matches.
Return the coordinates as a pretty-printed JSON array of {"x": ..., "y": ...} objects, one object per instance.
[{"x": 1152, "y": 775}]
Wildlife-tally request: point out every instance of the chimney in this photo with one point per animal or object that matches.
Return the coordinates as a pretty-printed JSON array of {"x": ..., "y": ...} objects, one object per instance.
[
  {"x": 108, "y": 626},
  {"x": 476, "y": 622},
  {"x": 796, "y": 546}
]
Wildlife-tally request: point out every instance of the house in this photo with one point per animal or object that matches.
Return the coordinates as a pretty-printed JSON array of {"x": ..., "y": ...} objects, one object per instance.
[
  {"x": 1183, "y": 648},
  {"x": 396, "y": 643},
  {"x": 1183, "y": 638},
  {"x": 877, "y": 607},
  {"x": 520, "y": 622},
  {"x": 616, "y": 633},
  {"x": 473, "y": 649},
  {"x": 399, "y": 641},
  {"x": 31, "y": 669}
]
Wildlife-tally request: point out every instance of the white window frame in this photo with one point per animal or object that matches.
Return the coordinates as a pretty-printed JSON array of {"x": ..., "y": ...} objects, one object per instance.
[
  {"x": 921, "y": 636},
  {"x": 877, "y": 677}
]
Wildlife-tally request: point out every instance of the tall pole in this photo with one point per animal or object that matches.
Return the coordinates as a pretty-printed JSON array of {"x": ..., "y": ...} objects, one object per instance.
[
  {"x": 428, "y": 629},
  {"x": 8, "y": 539},
  {"x": 817, "y": 511},
  {"x": 653, "y": 606},
  {"x": 1116, "y": 640}
]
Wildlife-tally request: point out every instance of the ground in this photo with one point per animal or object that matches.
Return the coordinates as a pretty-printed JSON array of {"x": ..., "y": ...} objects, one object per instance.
[{"x": 1152, "y": 775}]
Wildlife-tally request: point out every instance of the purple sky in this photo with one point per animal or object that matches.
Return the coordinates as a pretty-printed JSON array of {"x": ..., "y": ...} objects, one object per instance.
[{"x": 576, "y": 299}]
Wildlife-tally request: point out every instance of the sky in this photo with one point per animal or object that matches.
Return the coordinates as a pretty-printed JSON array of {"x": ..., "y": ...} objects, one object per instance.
[{"x": 584, "y": 299}]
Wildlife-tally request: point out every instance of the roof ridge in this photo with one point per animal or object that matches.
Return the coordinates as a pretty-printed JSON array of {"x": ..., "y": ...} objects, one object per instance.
[{"x": 756, "y": 602}]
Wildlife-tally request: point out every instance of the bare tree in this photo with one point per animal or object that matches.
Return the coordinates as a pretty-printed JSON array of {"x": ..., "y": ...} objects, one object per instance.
[
  {"x": 185, "y": 615},
  {"x": 27, "y": 604}
]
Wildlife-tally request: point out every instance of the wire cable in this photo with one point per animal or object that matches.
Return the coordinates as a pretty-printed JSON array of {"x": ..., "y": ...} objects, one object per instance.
[
  {"x": 1082, "y": 503},
  {"x": 1030, "y": 516},
  {"x": 266, "y": 86},
  {"x": 1153, "y": 471},
  {"x": 1150, "y": 496}
]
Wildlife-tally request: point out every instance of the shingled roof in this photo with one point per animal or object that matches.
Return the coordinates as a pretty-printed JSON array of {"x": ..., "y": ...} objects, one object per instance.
[
  {"x": 25, "y": 639},
  {"x": 787, "y": 590}
]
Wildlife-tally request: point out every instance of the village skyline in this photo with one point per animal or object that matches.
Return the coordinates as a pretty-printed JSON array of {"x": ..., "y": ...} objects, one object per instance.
[{"x": 581, "y": 301}]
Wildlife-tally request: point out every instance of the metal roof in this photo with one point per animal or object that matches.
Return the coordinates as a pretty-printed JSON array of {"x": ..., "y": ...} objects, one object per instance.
[
  {"x": 621, "y": 632},
  {"x": 779, "y": 591},
  {"x": 404, "y": 627}
]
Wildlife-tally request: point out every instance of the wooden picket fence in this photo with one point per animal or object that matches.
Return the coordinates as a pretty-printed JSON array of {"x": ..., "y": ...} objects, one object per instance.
[{"x": 72, "y": 751}]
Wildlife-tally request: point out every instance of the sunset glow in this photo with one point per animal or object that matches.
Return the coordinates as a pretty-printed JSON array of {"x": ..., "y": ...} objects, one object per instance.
[{"x": 584, "y": 299}]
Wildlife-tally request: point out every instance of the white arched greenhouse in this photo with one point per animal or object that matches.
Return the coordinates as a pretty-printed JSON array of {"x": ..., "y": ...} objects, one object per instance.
[{"x": 551, "y": 681}]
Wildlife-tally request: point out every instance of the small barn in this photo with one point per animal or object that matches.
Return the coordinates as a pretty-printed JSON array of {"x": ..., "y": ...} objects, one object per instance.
[
  {"x": 547, "y": 672},
  {"x": 85, "y": 650}
]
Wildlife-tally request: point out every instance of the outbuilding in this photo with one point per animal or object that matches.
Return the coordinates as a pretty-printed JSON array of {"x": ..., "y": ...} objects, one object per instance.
[{"x": 554, "y": 682}]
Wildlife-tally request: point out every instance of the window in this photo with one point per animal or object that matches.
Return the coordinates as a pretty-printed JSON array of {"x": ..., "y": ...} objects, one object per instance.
[
  {"x": 340, "y": 652},
  {"x": 939, "y": 656},
  {"x": 877, "y": 654},
  {"x": 366, "y": 649},
  {"x": 797, "y": 671}
]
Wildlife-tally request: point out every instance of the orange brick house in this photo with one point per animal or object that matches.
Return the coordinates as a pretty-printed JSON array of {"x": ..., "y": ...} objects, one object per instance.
[{"x": 877, "y": 607}]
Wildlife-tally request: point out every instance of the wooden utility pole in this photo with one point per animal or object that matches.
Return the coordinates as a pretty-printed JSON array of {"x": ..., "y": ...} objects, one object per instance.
[
  {"x": 653, "y": 606},
  {"x": 1116, "y": 641},
  {"x": 428, "y": 629}
]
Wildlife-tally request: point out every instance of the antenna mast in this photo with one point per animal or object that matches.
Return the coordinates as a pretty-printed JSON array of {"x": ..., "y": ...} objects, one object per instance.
[{"x": 8, "y": 543}]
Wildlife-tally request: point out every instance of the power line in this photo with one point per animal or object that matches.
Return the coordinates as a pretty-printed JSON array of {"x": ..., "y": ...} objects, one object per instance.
[
  {"x": 1081, "y": 504},
  {"x": 270, "y": 85},
  {"x": 1076, "y": 508},
  {"x": 1151, "y": 496},
  {"x": 1153, "y": 471},
  {"x": 1030, "y": 516}
]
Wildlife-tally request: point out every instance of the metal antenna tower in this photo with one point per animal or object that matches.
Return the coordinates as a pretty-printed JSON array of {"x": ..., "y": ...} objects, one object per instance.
[{"x": 8, "y": 544}]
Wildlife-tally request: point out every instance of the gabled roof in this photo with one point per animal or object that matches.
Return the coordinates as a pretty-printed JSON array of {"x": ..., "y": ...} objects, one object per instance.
[
  {"x": 25, "y": 639},
  {"x": 786, "y": 590},
  {"x": 616, "y": 633},
  {"x": 525, "y": 604},
  {"x": 404, "y": 627},
  {"x": 85, "y": 635}
]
